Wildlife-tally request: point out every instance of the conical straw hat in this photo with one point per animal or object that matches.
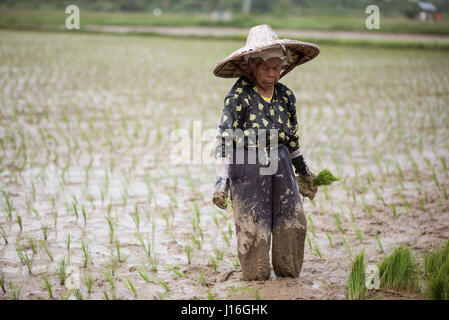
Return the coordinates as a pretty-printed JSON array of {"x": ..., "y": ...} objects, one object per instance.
[{"x": 262, "y": 38}]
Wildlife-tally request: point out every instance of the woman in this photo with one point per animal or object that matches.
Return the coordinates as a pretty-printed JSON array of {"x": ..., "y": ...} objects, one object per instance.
[{"x": 264, "y": 110}]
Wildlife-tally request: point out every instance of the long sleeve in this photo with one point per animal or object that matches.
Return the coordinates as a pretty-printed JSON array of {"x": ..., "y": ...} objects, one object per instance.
[
  {"x": 231, "y": 118},
  {"x": 292, "y": 124},
  {"x": 298, "y": 160}
]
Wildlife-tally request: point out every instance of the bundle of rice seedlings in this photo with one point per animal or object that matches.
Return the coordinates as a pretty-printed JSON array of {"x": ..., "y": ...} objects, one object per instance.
[
  {"x": 436, "y": 271},
  {"x": 324, "y": 178},
  {"x": 400, "y": 271},
  {"x": 356, "y": 283},
  {"x": 439, "y": 285}
]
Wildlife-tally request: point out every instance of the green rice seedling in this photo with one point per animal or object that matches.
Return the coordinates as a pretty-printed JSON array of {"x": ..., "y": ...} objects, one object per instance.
[
  {"x": 351, "y": 212},
  {"x": 338, "y": 223},
  {"x": 256, "y": 294},
  {"x": 210, "y": 295},
  {"x": 356, "y": 282},
  {"x": 19, "y": 222},
  {"x": 202, "y": 277},
  {"x": 368, "y": 208},
  {"x": 3, "y": 234},
  {"x": 324, "y": 178},
  {"x": 55, "y": 219},
  {"x": 405, "y": 202},
  {"x": 201, "y": 232},
  {"x": 236, "y": 262},
  {"x": 120, "y": 258},
  {"x": 172, "y": 235},
  {"x": 309, "y": 242},
  {"x": 29, "y": 206},
  {"x": 62, "y": 271},
  {"x": 178, "y": 272},
  {"x": 416, "y": 172},
  {"x": 78, "y": 294},
  {"x": 346, "y": 246},
  {"x": 75, "y": 209},
  {"x": 86, "y": 253},
  {"x": 162, "y": 283},
  {"x": 166, "y": 218},
  {"x": 146, "y": 247},
  {"x": 48, "y": 286},
  {"x": 230, "y": 230},
  {"x": 393, "y": 209},
  {"x": 173, "y": 199},
  {"x": 142, "y": 271},
  {"x": 88, "y": 281},
  {"x": 36, "y": 213},
  {"x": 130, "y": 286},
  {"x": 154, "y": 262},
  {"x": 15, "y": 290},
  {"x": 188, "y": 251},
  {"x": 379, "y": 196},
  {"x": 83, "y": 210},
  {"x": 111, "y": 229},
  {"x": 216, "y": 221},
  {"x": 2, "y": 281},
  {"x": 125, "y": 197},
  {"x": 400, "y": 175},
  {"x": 45, "y": 230},
  {"x": 68, "y": 242},
  {"x": 376, "y": 236},
  {"x": 359, "y": 234},
  {"x": 109, "y": 278},
  {"x": 196, "y": 243},
  {"x": 318, "y": 252},
  {"x": 214, "y": 263},
  {"x": 399, "y": 271},
  {"x": 66, "y": 295},
  {"x": 226, "y": 238},
  {"x": 32, "y": 243},
  {"x": 136, "y": 217},
  {"x": 219, "y": 254},
  {"x": 434, "y": 176},
  {"x": 439, "y": 284},
  {"x": 9, "y": 205},
  {"x": 112, "y": 297},
  {"x": 19, "y": 251},
  {"x": 197, "y": 212},
  {"x": 329, "y": 238},
  {"x": 311, "y": 226}
]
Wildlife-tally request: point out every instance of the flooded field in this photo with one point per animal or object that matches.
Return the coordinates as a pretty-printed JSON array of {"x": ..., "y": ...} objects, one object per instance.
[{"x": 88, "y": 183}]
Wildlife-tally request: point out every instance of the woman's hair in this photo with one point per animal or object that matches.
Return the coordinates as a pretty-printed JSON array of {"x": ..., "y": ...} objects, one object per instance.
[{"x": 253, "y": 63}]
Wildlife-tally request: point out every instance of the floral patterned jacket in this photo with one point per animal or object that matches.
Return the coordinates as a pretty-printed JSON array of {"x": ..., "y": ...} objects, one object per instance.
[{"x": 245, "y": 109}]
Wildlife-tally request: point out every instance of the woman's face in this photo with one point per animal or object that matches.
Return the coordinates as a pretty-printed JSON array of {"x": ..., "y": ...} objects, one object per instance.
[{"x": 268, "y": 72}]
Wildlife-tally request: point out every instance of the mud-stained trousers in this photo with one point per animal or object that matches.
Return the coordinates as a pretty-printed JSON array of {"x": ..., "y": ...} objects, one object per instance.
[{"x": 265, "y": 206}]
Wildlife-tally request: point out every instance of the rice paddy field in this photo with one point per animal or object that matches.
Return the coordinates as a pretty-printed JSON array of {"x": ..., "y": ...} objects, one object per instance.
[{"x": 89, "y": 187}]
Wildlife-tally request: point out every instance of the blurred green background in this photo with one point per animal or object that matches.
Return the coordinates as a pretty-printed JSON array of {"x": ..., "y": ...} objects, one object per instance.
[{"x": 398, "y": 16}]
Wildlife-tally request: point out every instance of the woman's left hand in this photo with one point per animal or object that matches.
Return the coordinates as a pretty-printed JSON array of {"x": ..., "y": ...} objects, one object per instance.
[
  {"x": 306, "y": 186},
  {"x": 221, "y": 192}
]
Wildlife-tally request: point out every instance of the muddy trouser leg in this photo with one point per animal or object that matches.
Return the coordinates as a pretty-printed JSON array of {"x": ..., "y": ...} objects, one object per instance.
[
  {"x": 289, "y": 223},
  {"x": 252, "y": 204}
]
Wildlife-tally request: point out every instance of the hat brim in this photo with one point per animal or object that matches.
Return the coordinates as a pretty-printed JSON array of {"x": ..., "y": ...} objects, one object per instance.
[{"x": 233, "y": 65}]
